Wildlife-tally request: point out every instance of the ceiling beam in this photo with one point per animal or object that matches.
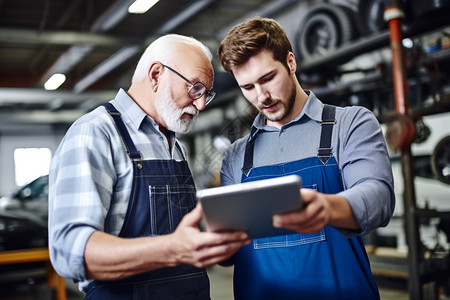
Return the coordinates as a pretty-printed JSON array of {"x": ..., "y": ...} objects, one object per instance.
[
  {"x": 127, "y": 52},
  {"x": 115, "y": 13},
  {"x": 106, "y": 66},
  {"x": 67, "y": 61},
  {"x": 41, "y": 96},
  {"x": 60, "y": 37},
  {"x": 268, "y": 10},
  {"x": 184, "y": 15},
  {"x": 41, "y": 117}
]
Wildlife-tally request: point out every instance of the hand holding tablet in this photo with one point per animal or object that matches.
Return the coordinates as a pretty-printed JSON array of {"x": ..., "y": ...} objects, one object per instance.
[{"x": 250, "y": 206}]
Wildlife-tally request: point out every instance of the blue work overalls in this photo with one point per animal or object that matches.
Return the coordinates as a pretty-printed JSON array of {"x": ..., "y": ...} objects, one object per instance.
[
  {"x": 163, "y": 192},
  {"x": 324, "y": 265}
]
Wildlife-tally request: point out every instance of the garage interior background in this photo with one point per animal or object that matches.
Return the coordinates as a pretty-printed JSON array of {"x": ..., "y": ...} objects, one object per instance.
[{"x": 343, "y": 50}]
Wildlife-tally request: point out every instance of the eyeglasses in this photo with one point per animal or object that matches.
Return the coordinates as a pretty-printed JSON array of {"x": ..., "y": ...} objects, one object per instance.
[{"x": 197, "y": 89}]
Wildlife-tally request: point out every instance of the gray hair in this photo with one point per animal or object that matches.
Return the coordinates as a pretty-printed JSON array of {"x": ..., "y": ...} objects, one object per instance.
[{"x": 162, "y": 50}]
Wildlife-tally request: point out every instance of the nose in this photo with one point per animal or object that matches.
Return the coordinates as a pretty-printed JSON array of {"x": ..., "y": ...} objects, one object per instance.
[
  {"x": 200, "y": 103},
  {"x": 261, "y": 94}
]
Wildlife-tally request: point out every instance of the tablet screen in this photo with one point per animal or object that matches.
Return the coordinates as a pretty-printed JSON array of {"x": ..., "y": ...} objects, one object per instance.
[{"x": 250, "y": 206}]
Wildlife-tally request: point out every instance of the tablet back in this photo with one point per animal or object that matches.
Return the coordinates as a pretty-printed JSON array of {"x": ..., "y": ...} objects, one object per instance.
[{"x": 250, "y": 206}]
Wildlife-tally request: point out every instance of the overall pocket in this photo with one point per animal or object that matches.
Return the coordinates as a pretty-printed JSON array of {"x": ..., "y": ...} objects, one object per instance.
[
  {"x": 290, "y": 240},
  {"x": 168, "y": 205}
]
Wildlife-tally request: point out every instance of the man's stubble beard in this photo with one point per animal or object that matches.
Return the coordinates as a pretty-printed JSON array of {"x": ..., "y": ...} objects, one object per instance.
[{"x": 286, "y": 107}]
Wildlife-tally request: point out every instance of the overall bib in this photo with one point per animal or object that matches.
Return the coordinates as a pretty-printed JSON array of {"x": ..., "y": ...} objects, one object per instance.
[
  {"x": 323, "y": 265},
  {"x": 163, "y": 192}
]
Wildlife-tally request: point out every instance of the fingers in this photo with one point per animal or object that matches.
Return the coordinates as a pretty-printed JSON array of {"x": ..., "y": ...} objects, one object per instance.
[
  {"x": 307, "y": 195},
  {"x": 311, "y": 219},
  {"x": 206, "y": 248},
  {"x": 212, "y": 255},
  {"x": 216, "y": 239},
  {"x": 203, "y": 249}
]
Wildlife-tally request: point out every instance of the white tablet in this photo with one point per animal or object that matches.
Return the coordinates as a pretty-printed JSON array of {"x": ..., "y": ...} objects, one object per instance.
[{"x": 250, "y": 206}]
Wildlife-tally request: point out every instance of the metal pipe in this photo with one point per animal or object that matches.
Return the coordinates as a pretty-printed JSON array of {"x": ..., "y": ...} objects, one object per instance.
[{"x": 393, "y": 14}]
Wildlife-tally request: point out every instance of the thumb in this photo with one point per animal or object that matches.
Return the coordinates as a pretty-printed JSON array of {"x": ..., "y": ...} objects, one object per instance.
[
  {"x": 193, "y": 217},
  {"x": 307, "y": 195}
]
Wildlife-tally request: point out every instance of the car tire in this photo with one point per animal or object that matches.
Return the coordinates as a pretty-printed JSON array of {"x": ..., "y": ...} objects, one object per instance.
[
  {"x": 440, "y": 160},
  {"x": 370, "y": 16},
  {"x": 324, "y": 28}
]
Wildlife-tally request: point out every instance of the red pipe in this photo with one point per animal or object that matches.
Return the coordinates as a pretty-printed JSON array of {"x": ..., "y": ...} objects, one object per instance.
[{"x": 394, "y": 16}]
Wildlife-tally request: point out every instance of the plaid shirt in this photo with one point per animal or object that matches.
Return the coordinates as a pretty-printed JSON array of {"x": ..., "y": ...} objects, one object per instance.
[{"x": 91, "y": 177}]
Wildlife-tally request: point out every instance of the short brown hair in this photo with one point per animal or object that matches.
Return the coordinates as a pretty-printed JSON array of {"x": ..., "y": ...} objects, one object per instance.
[{"x": 251, "y": 37}]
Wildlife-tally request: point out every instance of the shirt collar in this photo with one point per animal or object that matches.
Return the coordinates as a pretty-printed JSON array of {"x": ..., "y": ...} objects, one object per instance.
[
  {"x": 129, "y": 108},
  {"x": 312, "y": 109},
  {"x": 134, "y": 113}
]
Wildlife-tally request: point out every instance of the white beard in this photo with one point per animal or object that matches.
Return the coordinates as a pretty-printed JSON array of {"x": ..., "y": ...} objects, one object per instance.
[{"x": 171, "y": 114}]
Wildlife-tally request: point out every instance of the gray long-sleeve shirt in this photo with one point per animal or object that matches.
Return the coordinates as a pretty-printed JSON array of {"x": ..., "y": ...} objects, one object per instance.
[{"x": 358, "y": 146}]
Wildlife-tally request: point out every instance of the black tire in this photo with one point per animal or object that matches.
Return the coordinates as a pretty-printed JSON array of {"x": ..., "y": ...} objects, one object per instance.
[
  {"x": 324, "y": 29},
  {"x": 440, "y": 160},
  {"x": 370, "y": 16}
]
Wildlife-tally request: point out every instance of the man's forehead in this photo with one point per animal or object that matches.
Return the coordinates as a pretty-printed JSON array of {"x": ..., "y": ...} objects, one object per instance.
[
  {"x": 194, "y": 63},
  {"x": 255, "y": 68}
]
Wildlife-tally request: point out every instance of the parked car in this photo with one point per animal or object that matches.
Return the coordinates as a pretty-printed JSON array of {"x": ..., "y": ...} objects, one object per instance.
[
  {"x": 22, "y": 230},
  {"x": 23, "y": 225},
  {"x": 32, "y": 198}
]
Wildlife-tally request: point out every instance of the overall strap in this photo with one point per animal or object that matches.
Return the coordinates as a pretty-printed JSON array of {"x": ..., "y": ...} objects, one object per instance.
[
  {"x": 132, "y": 152},
  {"x": 327, "y": 123},
  {"x": 248, "y": 155},
  {"x": 179, "y": 149}
]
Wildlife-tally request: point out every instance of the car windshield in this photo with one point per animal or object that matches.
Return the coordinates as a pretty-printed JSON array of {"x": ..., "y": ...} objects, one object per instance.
[{"x": 35, "y": 189}]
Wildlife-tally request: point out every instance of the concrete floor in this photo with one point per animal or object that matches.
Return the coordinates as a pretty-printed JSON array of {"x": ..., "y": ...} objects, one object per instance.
[{"x": 221, "y": 289}]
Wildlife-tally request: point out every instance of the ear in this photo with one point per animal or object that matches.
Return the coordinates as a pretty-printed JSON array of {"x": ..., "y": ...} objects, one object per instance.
[
  {"x": 291, "y": 62},
  {"x": 154, "y": 75}
]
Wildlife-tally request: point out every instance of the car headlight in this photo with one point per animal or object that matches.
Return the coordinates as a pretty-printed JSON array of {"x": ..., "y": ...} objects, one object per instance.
[{"x": 7, "y": 226}]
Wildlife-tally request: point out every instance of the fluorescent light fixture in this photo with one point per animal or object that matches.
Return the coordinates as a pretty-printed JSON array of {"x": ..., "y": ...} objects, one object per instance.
[
  {"x": 141, "y": 6},
  {"x": 55, "y": 81},
  {"x": 407, "y": 43}
]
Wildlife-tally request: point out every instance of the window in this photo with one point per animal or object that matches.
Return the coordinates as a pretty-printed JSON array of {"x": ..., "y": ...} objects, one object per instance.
[{"x": 31, "y": 163}]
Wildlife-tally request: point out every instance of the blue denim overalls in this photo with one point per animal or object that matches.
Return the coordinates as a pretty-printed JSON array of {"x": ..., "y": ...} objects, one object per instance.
[
  {"x": 324, "y": 265},
  {"x": 163, "y": 192}
]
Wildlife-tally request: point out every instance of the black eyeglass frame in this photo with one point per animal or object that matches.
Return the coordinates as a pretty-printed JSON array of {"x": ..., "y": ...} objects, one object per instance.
[{"x": 209, "y": 93}]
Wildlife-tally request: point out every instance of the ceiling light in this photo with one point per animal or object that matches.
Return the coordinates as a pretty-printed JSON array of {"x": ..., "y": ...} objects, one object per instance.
[
  {"x": 141, "y": 6},
  {"x": 407, "y": 43},
  {"x": 55, "y": 81}
]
